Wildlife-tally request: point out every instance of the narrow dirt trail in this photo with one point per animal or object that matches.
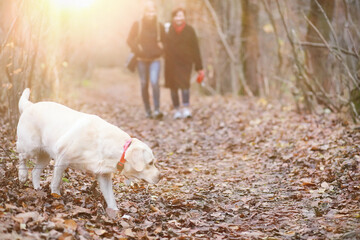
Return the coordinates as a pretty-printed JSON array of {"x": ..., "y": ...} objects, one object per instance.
[
  {"x": 245, "y": 166},
  {"x": 239, "y": 169}
]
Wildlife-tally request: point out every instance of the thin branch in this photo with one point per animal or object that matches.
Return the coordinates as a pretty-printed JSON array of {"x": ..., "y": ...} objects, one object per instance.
[
  {"x": 353, "y": 43},
  {"x": 315, "y": 92},
  {"x": 219, "y": 30},
  {"x": 328, "y": 22},
  {"x": 349, "y": 19},
  {"x": 321, "y": 45},
  {"x": 338, "y": 56},
  {"x": 297, "y": 62},
  {"x": 226, "y": 45},
  {"x": 317, "y": 31}
]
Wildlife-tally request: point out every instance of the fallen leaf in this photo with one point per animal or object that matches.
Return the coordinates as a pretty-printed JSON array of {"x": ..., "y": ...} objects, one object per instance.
[
  {"x": 154, "y": 209},
  {"x": 99, "y": 232},
  {"x": 66, "y": 236},
  {"x": 158, "y": 229},
  {"x": 25, "y": 217},
  {"x": 10, "y": 206},
  {"x": 77, "y": 210},
  {"x": 55, "y": 195},
  {"x": 128, "y": 232},
  {"x": 325, "y": 185},
  {"x": 69, "y": 223},
  {"x": 124, "y": 224},
  {"x": 307, "y": 182},
  {"x": 65, "y": 180}
]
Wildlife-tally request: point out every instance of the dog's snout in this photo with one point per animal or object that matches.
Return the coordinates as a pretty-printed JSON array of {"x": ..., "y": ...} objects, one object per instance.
[
  {"x": 161, "y": 176},
  {"x": 158, "y": 178}
]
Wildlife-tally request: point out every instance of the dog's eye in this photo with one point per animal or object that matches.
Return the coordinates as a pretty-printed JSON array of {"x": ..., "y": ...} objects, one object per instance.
[{"x": 151, "y": 163}]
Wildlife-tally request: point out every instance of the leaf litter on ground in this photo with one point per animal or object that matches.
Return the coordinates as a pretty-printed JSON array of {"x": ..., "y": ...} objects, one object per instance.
[{"x": 239, "y": 169}]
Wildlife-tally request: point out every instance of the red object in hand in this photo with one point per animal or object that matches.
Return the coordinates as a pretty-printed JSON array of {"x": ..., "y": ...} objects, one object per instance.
[{"x": 201, "y": 76}]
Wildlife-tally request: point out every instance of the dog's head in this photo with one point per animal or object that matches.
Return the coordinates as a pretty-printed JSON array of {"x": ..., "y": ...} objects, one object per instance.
[{"x": 141, "y": 163}]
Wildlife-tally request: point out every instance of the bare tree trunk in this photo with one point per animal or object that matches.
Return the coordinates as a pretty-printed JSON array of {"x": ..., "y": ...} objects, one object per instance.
[
  {"x": 250, "y": 44},
  {"x": 316, "y": 58}
]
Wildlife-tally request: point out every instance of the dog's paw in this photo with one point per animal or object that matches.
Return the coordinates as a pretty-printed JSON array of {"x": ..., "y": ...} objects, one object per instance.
[
  {"x": 55, "y": 191},
  {"x": 23, "y": 175},
  {"x": 112, "y": 213}
]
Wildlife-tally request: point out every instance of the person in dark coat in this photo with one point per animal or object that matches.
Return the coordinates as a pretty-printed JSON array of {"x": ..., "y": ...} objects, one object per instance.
[
  {"x": 182, "y": 53},
  {"x": 145, "y": 40}
]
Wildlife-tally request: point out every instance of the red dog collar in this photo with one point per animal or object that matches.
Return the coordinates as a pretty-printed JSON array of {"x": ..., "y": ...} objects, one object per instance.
[{"x": 120, "y": 165}]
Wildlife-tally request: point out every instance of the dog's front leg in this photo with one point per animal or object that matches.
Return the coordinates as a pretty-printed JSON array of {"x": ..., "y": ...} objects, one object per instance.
[
  {"x": 105, "y": 183},
  {"x": 23, "y": 170},
  {"x": 57, "y": 178},
  {"x": 43, "y": 159}
]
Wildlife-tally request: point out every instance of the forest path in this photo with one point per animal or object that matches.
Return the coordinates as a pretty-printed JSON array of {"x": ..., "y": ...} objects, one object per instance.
[
  {"x": 246, "y": 166},
  {"x": 241, "y": 168}
]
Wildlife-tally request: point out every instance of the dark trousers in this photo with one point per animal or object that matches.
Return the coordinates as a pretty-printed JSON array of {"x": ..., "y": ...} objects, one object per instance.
[{"x": 185, "y": 94}]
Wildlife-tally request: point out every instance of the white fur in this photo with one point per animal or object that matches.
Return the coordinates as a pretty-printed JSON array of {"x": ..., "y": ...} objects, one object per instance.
[{"x": 48, "y": 130}]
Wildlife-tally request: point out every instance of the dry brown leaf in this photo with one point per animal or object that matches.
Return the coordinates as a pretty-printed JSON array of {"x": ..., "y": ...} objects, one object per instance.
[
  {"x": 307, "y": 182},
  {"x": 25, "y": 217},
  {"x": 78, "y": 210},
  {"x": 55, "y": 195},
  {"x": 124, "y": 224},
  {"x": 158, "y": 229},
  {"x": 66, "y": 236},
  {"x": 10, "y": 206},
  {"x": 154, "y": 209},
  {"x": 99, "y": 232},
  {"x": 69, "y": 223},
  {"x": 128, "y": 232}
]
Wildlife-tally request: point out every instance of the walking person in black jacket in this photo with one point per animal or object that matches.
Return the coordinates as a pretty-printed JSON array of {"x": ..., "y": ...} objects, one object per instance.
[
  {"x": 181, "y": 54},
  {"x": 146, "y": 42}
]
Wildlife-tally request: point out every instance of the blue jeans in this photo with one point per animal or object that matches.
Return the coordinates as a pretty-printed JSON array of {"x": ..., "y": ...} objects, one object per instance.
[
  {"x": 150, "y": 70},
  {"x": 175, "y": 97}
]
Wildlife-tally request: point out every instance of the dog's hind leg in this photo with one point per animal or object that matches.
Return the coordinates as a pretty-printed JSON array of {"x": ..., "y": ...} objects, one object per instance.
[
  {"x": 23, "y": 170},
  {"x": 43, "y": 159},
  {"x": 106, "y": 188},
  {"x": 59, "y": 169}
]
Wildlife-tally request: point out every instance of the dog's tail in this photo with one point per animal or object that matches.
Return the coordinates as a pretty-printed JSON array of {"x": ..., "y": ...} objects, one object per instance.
[{"x": 24, "y": 100}]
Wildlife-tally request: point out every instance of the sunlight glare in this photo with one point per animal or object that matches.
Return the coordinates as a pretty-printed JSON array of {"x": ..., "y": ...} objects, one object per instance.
[{"x": 72, "y": 4}]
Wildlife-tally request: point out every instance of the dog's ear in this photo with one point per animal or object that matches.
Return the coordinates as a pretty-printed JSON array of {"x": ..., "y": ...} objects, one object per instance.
[{"x": 135, "y": 156}]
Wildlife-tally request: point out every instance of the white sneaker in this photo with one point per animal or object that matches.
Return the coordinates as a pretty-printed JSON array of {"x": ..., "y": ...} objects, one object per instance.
[
  {"x": 186, "y": 113},
  {"x": 158, "y": 115},
  {"x": 177, "y": 114}
]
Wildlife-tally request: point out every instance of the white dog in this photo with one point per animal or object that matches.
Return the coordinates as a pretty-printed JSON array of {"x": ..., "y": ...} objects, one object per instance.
[{"x": 48, "y": 130}]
